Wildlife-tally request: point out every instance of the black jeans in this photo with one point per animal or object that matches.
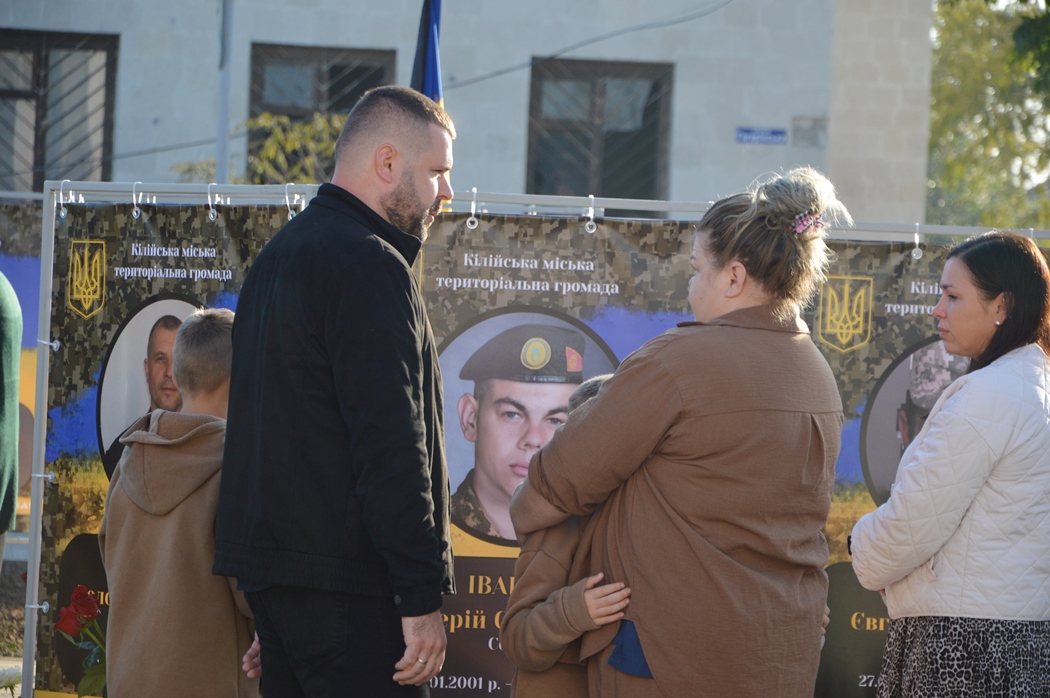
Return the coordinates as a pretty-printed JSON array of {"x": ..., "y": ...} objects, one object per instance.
[{"x": 318, "y": 644}]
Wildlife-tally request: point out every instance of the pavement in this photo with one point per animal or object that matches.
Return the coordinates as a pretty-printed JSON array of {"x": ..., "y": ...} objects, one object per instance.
[{"x": 17, "y": 547}]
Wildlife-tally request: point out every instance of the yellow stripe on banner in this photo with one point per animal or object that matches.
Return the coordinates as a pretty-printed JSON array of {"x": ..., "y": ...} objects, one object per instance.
[
  {"x": 27, "y": 379},
  {"x": 22, "y": 507},
  {"x": 466, "y": 545}
]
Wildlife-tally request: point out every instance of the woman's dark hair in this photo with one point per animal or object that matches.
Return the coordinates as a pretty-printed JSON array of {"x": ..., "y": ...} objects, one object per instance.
[{"x": 1010, "y": 264}]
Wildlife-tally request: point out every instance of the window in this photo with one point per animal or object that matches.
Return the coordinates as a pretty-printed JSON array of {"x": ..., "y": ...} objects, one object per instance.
[
  {"x": 56, "y": 107},
  {"x": 598, "y": 127},
  {"x": 297, "y": 81}
]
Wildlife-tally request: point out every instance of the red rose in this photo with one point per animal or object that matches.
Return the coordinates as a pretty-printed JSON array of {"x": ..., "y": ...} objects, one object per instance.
[
  {"x": 84, "y": 603},
  {"x": 69, "y": 623}
]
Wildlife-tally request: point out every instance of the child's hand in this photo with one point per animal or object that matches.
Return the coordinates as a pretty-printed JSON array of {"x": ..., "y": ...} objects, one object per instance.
[{"x": 605, "y": 603}]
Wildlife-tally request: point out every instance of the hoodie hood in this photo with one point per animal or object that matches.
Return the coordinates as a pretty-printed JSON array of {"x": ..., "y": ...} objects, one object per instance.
[{"x": 170, "y": 455}]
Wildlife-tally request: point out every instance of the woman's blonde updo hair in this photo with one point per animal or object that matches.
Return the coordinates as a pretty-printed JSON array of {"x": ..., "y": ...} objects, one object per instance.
[{"x": 777, "y": 232}]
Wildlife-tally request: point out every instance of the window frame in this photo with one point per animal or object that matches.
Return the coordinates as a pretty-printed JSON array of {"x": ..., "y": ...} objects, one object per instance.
[
  {"x": 40, "y": 44},
  {"x": 597, "y": 73},
  {"x": 263, "y": 54}
]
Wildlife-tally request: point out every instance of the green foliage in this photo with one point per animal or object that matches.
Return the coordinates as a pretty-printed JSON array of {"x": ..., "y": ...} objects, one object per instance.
[
  {"x": 280, "y": 150},
  {"x": 94, "y": 681},
  {"x": 1032, "y": 41},
  {"x": 988, "y": 124},
  {"x": 1031, "y": 37},
  {"x": 199, "y": 171}
]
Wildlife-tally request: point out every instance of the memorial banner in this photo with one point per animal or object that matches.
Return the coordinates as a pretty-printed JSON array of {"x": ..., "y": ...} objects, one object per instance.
[
  {"x": 617, "y": 288},
  {"x": 123, "y": 279},
  {"x": 523, "y": 308}
]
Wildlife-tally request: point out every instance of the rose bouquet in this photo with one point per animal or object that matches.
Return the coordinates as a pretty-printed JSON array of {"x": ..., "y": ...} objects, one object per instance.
[{"x": 80, "y": 620}]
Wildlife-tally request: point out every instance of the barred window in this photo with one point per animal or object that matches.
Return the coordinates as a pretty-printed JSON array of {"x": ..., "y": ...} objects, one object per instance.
[
  {"x": 56, "y": 107},
  {"x": 297, "y": 81},
  {"x": 599, "y": 127}
]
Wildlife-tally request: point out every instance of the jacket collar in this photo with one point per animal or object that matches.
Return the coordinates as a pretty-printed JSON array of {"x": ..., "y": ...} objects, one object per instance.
[
  {"x": 338, "y": 199},
  {"x": 759, "y": 317}
]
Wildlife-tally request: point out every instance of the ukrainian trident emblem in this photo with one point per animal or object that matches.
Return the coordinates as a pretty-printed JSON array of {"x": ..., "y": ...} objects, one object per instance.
[
  {"x": 845, "y": 312},
  {"x": 86, "y": 284}
]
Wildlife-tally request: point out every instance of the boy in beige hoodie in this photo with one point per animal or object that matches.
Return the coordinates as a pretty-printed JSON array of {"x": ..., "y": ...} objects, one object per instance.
[
  {"x": 174, "y": 629},
  {"x": 552, "y": 605}
]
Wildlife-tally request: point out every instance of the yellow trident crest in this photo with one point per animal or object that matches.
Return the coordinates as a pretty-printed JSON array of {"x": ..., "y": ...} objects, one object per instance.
[
  {"x": 845, "y": 312},
  {"x": 87, "y": 277}
]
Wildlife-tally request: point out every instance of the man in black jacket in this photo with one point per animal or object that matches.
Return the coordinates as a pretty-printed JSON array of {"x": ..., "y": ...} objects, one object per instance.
[{"x": 334, "y": 504}]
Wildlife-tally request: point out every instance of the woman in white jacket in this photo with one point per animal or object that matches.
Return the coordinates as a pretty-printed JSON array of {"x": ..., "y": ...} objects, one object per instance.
[{"x": 962, "y": 547}]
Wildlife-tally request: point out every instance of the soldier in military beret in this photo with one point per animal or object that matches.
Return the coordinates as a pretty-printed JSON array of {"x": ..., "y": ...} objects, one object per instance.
[
  {"x": 931, "y": 370},
  {"x": 522, "y": 381}
]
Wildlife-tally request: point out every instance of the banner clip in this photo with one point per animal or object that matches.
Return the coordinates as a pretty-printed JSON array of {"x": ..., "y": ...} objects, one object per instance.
[
  {"x": 45, "y": 607},
  {"x": 590, "y": 226},
  {"x": 212, "y": 213},
  {"x": 136, "y": 211},
  {"x": 288, "y": 204},
  {"x": 916, "y": 252},
  {"x": 472, "y": 222},
  {"x": 61, "y": 198},
  {"x": 54, "y": 345}
]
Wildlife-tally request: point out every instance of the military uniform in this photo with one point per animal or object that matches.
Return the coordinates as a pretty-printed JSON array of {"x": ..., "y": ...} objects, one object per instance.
[
  {"x": 466, "y": 509},
  {"x": 523, "y": 354}
]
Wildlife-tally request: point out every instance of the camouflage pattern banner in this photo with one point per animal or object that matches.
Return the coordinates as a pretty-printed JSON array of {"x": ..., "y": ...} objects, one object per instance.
[
  {"x": 121, "y": 285},
  {"x": 523, "y": 308},
  {"x": 609, "y": 292}
]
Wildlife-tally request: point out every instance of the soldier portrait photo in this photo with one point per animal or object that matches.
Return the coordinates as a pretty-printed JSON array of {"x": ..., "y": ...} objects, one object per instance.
[
  {"x": 898, "y": 407},
  {"x": 515, "y": 373},
  {"x": 136, "y": 377}
]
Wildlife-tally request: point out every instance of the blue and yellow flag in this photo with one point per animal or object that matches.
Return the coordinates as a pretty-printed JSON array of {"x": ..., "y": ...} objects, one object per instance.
[{"x": 426, "y": 70}]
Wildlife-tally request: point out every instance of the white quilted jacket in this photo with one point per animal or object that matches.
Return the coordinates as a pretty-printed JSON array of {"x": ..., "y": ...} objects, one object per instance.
[{"x": 966, "y": 531}]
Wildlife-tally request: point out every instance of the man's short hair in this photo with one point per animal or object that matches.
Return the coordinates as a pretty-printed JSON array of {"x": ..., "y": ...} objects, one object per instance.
[
  {"x": 203, "y": 350},
  {"x": 390, "y": 107},
  {"x": 165, "y": 322}
]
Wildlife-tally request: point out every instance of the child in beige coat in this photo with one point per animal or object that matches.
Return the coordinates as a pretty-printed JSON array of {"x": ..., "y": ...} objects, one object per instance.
[
  {"x": 174, "y": 629},
  {"x": 552, "y": 605}
]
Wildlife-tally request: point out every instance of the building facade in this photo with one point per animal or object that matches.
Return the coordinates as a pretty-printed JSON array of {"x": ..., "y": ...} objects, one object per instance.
[{"x": 679, "y": 100}]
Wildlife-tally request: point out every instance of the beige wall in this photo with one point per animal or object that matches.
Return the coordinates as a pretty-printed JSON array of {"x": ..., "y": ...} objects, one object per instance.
[{"x": 879, "y": 119}]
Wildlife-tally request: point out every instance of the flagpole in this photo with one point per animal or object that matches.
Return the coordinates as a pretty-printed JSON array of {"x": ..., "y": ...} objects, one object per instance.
[{"x": 222, "y": 150}]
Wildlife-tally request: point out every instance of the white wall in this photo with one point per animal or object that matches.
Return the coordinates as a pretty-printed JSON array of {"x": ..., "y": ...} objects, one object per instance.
[
  {"x": 879, "y": 130},
  {"x": 753, "y": 63}
]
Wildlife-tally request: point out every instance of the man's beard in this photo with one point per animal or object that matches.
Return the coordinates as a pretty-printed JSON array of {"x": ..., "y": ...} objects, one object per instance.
[{"x": 402, "y": 208}]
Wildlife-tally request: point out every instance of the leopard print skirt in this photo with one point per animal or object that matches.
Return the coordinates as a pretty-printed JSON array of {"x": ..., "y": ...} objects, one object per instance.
[{"x": 946, "y": 657}]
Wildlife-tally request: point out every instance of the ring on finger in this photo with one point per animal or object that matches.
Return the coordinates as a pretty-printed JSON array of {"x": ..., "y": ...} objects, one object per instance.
[{"x": 421, "y": 660}]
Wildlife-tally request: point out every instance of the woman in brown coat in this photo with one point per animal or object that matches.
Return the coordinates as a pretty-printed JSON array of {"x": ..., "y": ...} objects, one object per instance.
[{"x": 712, "y": 449}]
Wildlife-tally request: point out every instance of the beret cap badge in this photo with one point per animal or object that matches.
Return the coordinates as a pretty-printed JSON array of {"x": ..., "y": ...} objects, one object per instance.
[{"x": 535, "y": 353}]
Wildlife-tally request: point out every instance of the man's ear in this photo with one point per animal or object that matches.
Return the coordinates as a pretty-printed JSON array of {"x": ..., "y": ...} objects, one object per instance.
[
  {"x": 468, "y": 417},
  {"x": 145, "y": 368},
  {"x": 737, "y": 279},
  {"x": 388, "y": 163}
]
